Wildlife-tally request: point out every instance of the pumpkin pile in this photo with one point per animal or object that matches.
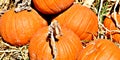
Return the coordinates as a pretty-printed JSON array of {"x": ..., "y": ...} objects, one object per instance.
[{"x": 57, "y": 30}]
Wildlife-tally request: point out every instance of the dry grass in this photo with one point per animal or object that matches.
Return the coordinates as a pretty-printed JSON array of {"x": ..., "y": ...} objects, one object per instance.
[{"x": 8, "y": 52}]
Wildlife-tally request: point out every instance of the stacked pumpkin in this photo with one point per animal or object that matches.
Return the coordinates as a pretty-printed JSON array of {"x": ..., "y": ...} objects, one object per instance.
[
  {"x": 18, "y": 28},
  {"x": 100, "y": 49},
  {"x": 52, "y": 6},
  {"x": 61, "y": 40},
  {"x": 85, "y": 25}
]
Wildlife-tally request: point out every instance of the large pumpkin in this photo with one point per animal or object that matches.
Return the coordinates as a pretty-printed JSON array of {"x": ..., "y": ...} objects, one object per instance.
[
  {"x": 80, "y": 19},
  {"x": 52, "y": 6},
  {"x": 109, "y": 23},
  {"x": 100, "y": 49},
  {"x": 67, "y": 45},
  {"x": 18, "y": 28}
]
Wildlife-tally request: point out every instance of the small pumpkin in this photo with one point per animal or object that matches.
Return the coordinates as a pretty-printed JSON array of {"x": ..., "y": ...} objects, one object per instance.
[
  {"x": 81, "y": 20},
  {"x": 109, "y": 23},
  {"x": 100, "y": 49},
  {"x": 18, "y": 28},
  {"x": 52, "y": 6},
  {"x": 67, "y": 45}
]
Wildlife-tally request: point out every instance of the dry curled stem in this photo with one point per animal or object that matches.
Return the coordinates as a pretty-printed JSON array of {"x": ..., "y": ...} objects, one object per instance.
[{"x": 54, "y": 32}]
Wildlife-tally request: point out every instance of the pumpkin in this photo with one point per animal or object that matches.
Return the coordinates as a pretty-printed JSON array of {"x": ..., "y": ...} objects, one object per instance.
[
  {"x": 68, "y": 45},
  {"x": 52, "y": 6},
  {"x": 0, "y": 25},
  {"x": 18, "y": 28},
  {"x": 109, "y": 23},
  {"x": 81, "y": 20},
  {"x": 100, "y": 49}
]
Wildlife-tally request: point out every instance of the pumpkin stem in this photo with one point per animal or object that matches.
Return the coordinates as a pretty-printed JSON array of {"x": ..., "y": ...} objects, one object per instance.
[
  {"x": 54, "y": 32},
  {"x": 57, "y": 28},
  {"x": 25, "y": 5}
]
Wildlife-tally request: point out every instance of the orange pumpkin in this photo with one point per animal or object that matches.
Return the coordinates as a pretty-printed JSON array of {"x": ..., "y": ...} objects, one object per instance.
[
  {"x": 52, "y": 6},
  {"x": 0, "y": 25},
  {"x": 18, "y": 28},
  {"x": 80, "y": 19},
  {"x": 109, "y": 23},
  {"x": 68, "y": 45},
  {"x": 100, "y": 49}
]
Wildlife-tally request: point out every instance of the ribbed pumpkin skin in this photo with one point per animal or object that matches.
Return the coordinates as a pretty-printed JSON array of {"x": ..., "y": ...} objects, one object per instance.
[
  {"x": 0, "y": 25},
  {"x": 52, "y": 6},
  {"x": 67, "y": 45},
  {"x": 18, "y": 28},
  {"x": 110, "y": 24},
  {"x": 100, "y": 49},
  {"x": 81, "y": 20}
]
